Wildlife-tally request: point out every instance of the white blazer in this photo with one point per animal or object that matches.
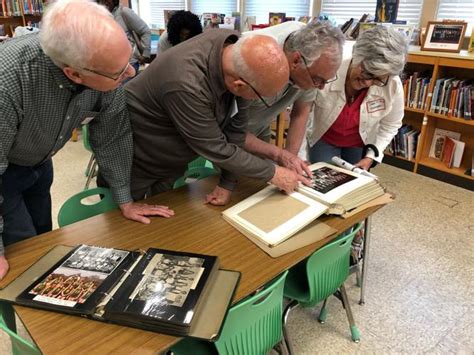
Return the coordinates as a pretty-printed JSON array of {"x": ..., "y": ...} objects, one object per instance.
[{"x": 381, "y": 111}]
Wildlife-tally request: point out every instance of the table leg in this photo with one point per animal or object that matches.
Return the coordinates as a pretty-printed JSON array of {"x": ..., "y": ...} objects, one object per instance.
[{"x": 365, "y": 262}]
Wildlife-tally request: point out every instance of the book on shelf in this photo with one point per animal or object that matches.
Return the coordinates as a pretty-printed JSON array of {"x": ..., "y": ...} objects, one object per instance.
[
  {"x": 453, "y": 150},
  {"x": 276, "y": 18},
  {"x": 437, "y": 143},
  {"x": 272, "y": 216},
  {"x": 386, "y": 11},
  {"x": 158, "y": 290}
]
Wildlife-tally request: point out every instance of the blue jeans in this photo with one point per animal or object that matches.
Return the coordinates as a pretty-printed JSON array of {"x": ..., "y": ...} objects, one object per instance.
[
  {"x": 323, "y": 152},
  {"x": 27, "y": 201}
]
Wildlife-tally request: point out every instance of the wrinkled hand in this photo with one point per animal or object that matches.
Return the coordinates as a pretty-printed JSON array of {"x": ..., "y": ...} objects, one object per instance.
[
  {"x": 4, "y": 267},
  {"x": 139, "y": 211},
  {"x": 219, "y": 196},
  {"x": 287, "y": 180},
  {"x": 291, "y": 161},
  {"x": 365, "y": 163}
]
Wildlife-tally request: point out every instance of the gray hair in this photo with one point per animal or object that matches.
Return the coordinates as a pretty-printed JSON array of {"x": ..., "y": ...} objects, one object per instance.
[
  {"x": 382, "y": 49},
  {"x": 240, "y": 65},
  {"x": 314, "y": 39},
  {"x": 69, "y": 29}
]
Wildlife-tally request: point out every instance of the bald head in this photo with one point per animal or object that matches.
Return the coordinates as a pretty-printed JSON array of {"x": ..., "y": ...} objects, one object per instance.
[
  {"x": 78, "y": 32},
  {"x": 260, "y": 61}
]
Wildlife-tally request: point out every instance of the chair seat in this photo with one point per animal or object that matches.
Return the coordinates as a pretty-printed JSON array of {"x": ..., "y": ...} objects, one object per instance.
[{"x": 193, "y": 346}]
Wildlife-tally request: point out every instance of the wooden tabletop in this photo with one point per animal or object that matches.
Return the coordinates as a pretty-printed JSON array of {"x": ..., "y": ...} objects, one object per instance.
[{"x": 196, "y": 227}]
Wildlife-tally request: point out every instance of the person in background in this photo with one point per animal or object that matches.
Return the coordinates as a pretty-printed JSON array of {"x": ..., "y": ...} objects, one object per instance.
[
  {"x": 181, "y": 26},
  {"x": 365, "y": 104},
  {"x": 137, "y": 31},
  {"x": 314, "y": 54},
  {"x": 51, "y": 82},
  {"x": 198, "y": 107}
]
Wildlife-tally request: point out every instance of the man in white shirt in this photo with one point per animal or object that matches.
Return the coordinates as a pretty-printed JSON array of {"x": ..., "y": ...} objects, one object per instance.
[{"x": 314, "y": 53}]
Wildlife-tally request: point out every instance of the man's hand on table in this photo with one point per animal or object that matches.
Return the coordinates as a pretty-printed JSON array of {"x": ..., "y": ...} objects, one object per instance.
[
  {"x": 139, "y": 212},
  {"x": 3, "y": 266},
  {"x": 291, "y": 161},
  {"x": 219, "y": 196},
  {"x": 287, "y": 180}
]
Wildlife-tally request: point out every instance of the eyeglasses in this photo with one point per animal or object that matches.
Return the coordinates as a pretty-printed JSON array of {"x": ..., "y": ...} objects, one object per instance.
[
  {"x": 365, "y": 75},
  {"x": 256, "y": 93},
  {"x": 317, "y": 80},
  {"x": 112, "y": 77}
]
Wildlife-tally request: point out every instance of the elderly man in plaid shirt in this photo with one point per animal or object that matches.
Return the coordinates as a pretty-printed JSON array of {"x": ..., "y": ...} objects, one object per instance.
[{"x": 49, "y": 84}]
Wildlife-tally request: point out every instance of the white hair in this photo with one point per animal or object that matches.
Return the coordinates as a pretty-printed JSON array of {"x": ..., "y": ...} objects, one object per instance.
[
  {"x": 314, "y": 39},
  {"x": 382, "y": 50},
  {"x": 240, "y": 65},
  {"x": 70, "y": 29}
]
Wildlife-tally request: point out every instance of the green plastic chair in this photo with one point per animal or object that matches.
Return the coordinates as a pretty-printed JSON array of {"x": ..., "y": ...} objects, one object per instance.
[
  {"x": 19, "y": 345},
  {"x": 200, "y": 162},
  {"x": 91, "y": 169},
  {"x": 321, "y": 275},
  {"x": 253, "y": 326},
  {"x": 74, "y": 210},
  {"x": 194, "y": 174}
]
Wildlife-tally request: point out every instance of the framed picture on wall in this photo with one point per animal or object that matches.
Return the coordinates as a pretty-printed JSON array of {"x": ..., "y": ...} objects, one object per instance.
[{"x": 444, "y": 36}]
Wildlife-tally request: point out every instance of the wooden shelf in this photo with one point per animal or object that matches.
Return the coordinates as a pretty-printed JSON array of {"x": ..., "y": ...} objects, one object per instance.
[
  {"x": 452, "y": 119},
  {"x": 417, "y": 110},
  {"x": 438, "y": 165}
]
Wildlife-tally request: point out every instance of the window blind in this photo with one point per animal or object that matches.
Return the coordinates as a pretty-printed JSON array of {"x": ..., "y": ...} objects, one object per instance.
[
  {"x": 343, "y": 10},
  {"x": 157, "y": 18},
  {"x": 261, "y": 8},
  {"x": 214, "y": 6},
  {"x": 457, "y": 10}
]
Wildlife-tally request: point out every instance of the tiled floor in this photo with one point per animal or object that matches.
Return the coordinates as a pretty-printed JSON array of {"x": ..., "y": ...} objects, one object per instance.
[{"x": 421, "y": 279}]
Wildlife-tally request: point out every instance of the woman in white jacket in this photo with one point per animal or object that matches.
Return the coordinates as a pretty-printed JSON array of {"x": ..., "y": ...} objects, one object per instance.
[{"x": 365, "y": 104}]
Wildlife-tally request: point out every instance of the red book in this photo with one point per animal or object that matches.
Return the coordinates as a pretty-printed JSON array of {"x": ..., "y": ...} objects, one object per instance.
[{"x": 448, "y": 152}]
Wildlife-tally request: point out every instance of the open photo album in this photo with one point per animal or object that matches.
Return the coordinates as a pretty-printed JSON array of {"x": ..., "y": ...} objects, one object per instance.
[
  {"x": 159, "y": 290},
  {"x": 273, "y": 217}
]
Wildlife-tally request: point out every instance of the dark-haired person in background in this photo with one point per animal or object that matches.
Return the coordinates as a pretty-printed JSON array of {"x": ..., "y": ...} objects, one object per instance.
[
  {"x": 182, "y": 25},
  {"x": 131, "y": 22}
]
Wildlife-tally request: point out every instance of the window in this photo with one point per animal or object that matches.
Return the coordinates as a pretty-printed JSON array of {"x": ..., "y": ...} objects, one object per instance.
[
  {"x": 343, "y": 10},
  {"x": 261, "y": 8},
  {"x": 151, "y": 11},
  {"x": 214, "y": 6},
  {"x": 457, "y": 10}
]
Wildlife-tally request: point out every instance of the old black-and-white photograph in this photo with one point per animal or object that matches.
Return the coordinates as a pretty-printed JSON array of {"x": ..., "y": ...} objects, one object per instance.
[
  {"x": 168, "y": 281},
  {"x": 326, "y": 179},
  {"x": 95, "y": 259}
]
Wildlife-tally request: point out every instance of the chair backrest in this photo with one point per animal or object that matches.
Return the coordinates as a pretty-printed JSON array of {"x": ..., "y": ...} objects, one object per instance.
[
  {"x": 192, "y": 175},
  {"x": 74, "y": 210},
  {"x": 328, "y": 267},
  {"x": 19, "y": 345},
  {"x": 85, "y": 137},
  {"x": 200, "y": 162},
  {"x": 254, "y": 326}
]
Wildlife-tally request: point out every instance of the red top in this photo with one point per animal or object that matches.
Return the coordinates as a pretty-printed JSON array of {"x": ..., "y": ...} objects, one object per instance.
[{"x": 344, "y": 132}]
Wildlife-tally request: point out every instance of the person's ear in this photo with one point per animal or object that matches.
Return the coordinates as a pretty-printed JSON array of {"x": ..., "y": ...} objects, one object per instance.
[
  {"x": 295, "y": 60},
  {"x": 238, "y": 85},
  {"x": 73, "y": 75}
]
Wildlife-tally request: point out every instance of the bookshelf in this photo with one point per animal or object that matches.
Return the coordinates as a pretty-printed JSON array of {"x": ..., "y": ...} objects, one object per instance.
[
  {"x": 15, "y": 13},
  {"x": 438, "y": 65}
]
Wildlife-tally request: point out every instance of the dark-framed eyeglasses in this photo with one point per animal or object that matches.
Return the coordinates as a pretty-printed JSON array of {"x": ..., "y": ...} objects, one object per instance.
[
  {"x": 365, "y": 75},
  {"x": 256, "y": 93},
  {"x": 109, "y": 76},
  {"x": 317, "y": 81}
]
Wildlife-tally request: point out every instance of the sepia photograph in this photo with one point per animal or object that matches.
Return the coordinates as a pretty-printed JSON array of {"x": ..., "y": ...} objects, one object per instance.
[{"x": 326, "y": 179}]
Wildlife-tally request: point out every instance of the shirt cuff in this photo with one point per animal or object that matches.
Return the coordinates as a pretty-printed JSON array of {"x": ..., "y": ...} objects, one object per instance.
[{"x": 121, "y": 195}]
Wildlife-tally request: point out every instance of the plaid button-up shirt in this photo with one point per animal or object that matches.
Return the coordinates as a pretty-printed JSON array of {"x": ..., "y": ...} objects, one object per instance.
[{"x": 40, "y": 106}]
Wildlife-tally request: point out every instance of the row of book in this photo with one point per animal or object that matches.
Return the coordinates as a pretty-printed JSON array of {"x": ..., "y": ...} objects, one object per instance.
[
  {"x": 19, "y": 7},
  {"x": 453, "y": 97},
  {"x": 415, "y": 88},
  {"x": 447, "y": 147},
  {"x": 405, "y": 142}
]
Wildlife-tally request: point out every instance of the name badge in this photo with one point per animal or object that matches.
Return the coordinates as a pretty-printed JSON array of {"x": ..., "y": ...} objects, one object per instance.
[
  {"x": 375, "y": 105},
  {"x": 87, "y": 120},
  {"x": 234, "y": 109}
]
